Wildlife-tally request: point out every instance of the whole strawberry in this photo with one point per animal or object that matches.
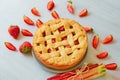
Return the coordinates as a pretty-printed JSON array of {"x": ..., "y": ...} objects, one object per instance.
[
  {"x": 14, "y": 31},
  {"x": 25, "y": 47}
]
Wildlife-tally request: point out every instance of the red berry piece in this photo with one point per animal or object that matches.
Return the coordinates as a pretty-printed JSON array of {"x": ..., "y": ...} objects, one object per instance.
[
  {"x": 111, "y": 66},
  {"x": 108, "y": 39},
  {"x": 25, "y": 32},
  {"x": 39, "y": 23},
  {"x": 67, "y": 46},
  {"x": 102, "y": 55},
  {"x": 70, "y": 7},
  {"x": 10, "y": 46},
  {"x": 88, "y": 29},
  {"x": 83, "y": 13},
  {"x": 55, "y": 15},
  {"x": 53, "y": 40},
  {"x": 50, "y": 5},
  {"x": 14, "y": 31},
  {"x": 27, "y": 20},
  {"x": 25, "y": 47},
  {"x": 35, "y": 11},
  {"x": 95, "y": 41}
]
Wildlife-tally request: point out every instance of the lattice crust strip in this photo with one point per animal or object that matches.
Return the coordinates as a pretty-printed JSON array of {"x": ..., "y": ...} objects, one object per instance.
[{"x": 60, "y": 38}]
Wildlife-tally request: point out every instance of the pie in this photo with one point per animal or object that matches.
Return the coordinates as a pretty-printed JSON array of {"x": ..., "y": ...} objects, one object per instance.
[{"x": 60, "y": 43}]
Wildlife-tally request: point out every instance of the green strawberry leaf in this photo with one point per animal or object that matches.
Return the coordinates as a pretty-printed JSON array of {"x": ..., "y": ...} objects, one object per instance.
[
  {"x": 69, "y": 1},
  {"x": 26, "y": 49}
]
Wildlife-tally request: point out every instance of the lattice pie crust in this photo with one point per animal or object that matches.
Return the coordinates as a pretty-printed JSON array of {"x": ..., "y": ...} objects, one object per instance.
[{"x": 60, "y": 43}]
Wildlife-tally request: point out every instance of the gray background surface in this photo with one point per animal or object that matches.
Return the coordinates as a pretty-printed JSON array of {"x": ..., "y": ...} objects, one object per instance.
[{"x": 104, "y": 18}]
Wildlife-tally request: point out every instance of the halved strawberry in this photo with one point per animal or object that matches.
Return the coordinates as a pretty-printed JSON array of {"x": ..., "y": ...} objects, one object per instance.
[
  {"x": 25, "y": 32},
  {"x": 55, "y": 15},
  {"x": 10, "y": 46},
  {"x": 102, "y": 55},
  {"x": 14, "y": 31},
  {"x": 35, "y": 11},
  {"x": 50, "y": 5},
  {"x": 25, "y": 47},
  {"x": 83, "y": 13},
  {"x": 108, "y": 39},
  {"x": 70, "y": 7},
  {"x": 39, "y": 23},
  {"x": 88, "y": 29},
  {"x": 27, "y": 20},
  {"x": 95, "y": 41},
  {"x": 111, "y": 66}
]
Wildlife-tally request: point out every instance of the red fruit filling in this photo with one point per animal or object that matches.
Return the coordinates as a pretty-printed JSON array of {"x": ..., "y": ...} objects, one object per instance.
[
  {"x": 49, "y": 50},
  {"x": 67, "y": 46},
  {"x": 76, "y": 42},
  {"x": 53, "y": 40},
  {"x": 61, "y": 29},
  {"x": 43, "y": 34},
  {"x": 64, "y": 38}
]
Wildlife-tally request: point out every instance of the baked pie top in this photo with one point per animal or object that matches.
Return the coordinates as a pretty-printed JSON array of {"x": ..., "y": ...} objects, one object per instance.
[{"x": 60, "y": 42}]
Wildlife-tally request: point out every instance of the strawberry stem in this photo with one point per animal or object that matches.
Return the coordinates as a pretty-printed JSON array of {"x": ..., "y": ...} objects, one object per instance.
[
  {"x": 26, "y": 49},
  {"x": 69, "y": 1}
]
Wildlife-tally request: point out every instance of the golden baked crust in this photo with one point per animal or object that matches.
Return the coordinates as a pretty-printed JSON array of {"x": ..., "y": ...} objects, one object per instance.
[{"x": 60, "y": 43}]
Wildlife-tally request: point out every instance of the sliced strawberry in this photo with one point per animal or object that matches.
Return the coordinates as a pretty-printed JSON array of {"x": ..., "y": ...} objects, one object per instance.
[
  {"x": 14, "y": 31},
  {"x": 102, "y": 55},
  {"x": 95, "y": 41},
  {"x": 50, "y": 5},
  {"x": 108, "y": 39},
  {"x": 10, "y": 46},
  {"x": 35, "y": 11},
  {"x": 55, "y": 15},
  {"x": 39, "y": 23},
  {"x": 27, "y": 20},
  {"x": 70, "y": 7},
  {"x": 25, "y": 47},
  {"x": 88, "y": 29},
  {"x": 83, "y": 13},
  {"x": 111, "y": 66},
  {"x": 25, "y": 32}
]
